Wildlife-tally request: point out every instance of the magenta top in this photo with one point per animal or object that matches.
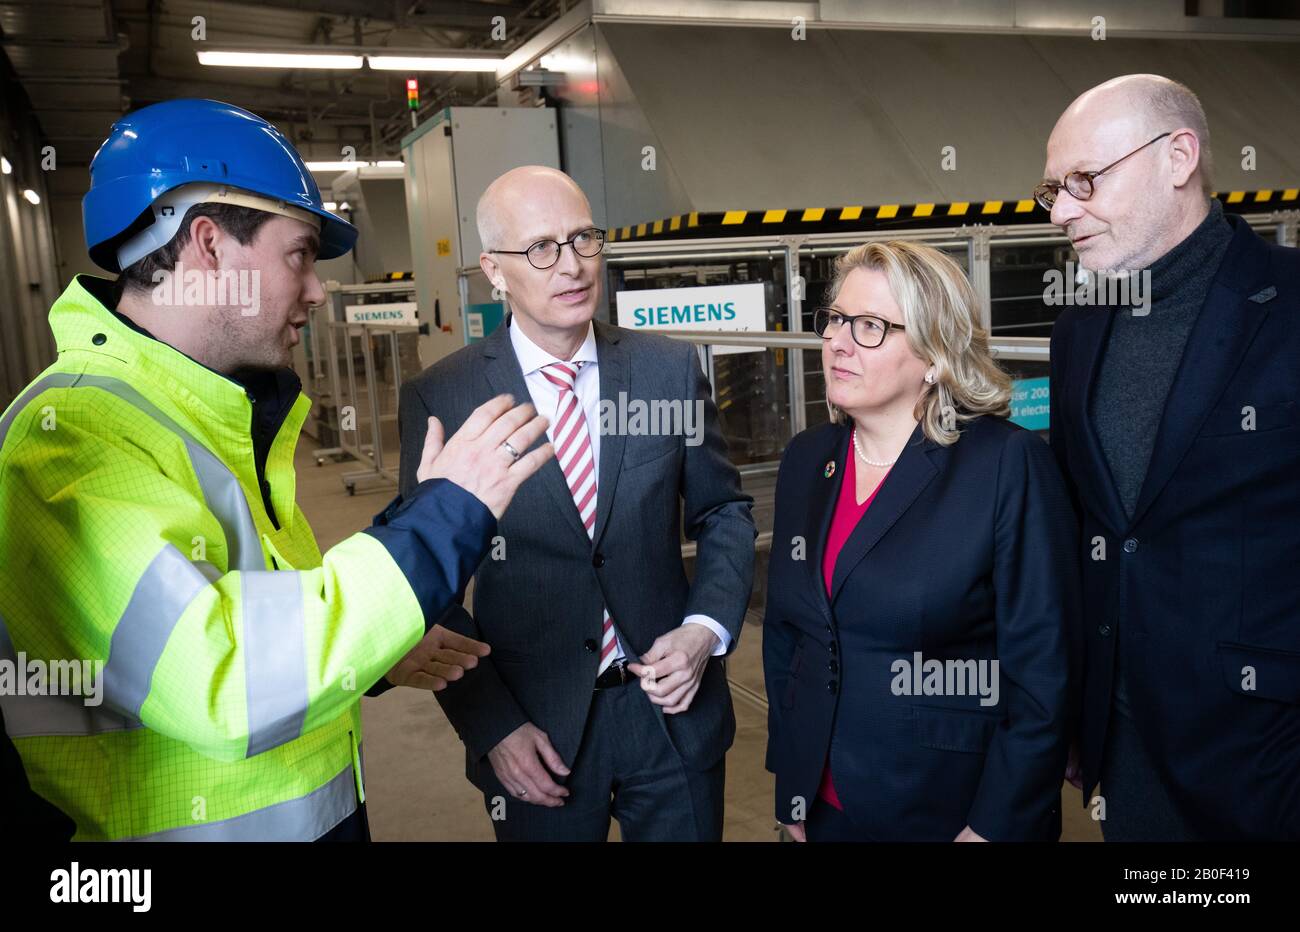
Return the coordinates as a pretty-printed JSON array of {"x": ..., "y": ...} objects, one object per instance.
[{"x": 847, "y": 515}]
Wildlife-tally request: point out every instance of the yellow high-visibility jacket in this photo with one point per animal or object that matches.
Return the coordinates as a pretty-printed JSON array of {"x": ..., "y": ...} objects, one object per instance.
[{"x": 142, "y": 526}]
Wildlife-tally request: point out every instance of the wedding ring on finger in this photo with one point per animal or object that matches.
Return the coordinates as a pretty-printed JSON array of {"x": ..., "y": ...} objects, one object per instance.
[{"x": 514, "y": 454}]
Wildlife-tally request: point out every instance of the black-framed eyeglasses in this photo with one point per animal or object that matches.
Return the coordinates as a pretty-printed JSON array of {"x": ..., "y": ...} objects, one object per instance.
[
  {"x": 1080, "y": 184},
  {"x": 545, "y": 253},
  {"x": 867, "y": 330}
]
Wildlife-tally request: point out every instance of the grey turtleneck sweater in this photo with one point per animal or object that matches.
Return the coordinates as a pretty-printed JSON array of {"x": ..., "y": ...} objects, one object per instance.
[
  {"x": 1138, "y": 367},
  {"x": 1142, "y": 355}
]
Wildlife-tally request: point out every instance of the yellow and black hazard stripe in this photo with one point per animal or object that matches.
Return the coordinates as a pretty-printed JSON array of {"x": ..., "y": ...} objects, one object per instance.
[
  {"x": 392, "y": 277},
  {"x": 888, "y": 216}
]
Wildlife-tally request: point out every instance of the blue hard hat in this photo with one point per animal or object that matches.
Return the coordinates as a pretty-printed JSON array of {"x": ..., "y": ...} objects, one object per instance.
[{"x": 161, "y": 147}]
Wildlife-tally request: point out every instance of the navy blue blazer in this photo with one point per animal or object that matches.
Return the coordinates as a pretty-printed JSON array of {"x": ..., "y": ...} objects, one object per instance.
[
  {"x": 968, "y": 552},
  {"x": 1203, "y": 582}
]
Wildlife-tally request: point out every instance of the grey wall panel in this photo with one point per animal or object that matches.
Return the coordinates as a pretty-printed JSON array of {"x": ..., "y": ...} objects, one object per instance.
[
  {"x": 581, "y": 154},
  {"x": 378, "y": 210},
  {"x": 1005, "y": 14},
  {"x": 488, "y": 142},
  {"x": 749, "y": 118},
  {"x": 628, "y": 124},
  {"x": 386, "y": 204},
  {"x": 450, "y": 161},
  {"x": 1250, "y": 91},
  {"x": 67, "y": 187},
  {"x": 29, "y": 281}
]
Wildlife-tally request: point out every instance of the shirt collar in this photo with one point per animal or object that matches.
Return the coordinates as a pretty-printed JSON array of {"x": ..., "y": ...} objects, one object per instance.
[{"x": 532, "y": 357}]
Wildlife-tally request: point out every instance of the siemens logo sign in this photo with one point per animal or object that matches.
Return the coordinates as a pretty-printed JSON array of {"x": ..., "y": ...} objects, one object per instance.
[
  {"x": 401, "y": 313},
  {"x": 709, "y": 307},
  {"x": 683, "y": 314},
  {"x": 366, "y": 317}
]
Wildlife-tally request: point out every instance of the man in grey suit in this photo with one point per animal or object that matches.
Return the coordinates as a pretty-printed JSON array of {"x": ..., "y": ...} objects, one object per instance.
[{"x": 605, "y": 693}]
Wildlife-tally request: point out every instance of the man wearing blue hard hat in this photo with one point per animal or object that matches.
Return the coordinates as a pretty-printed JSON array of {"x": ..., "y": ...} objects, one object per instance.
[{"x": 149, "y": 533}]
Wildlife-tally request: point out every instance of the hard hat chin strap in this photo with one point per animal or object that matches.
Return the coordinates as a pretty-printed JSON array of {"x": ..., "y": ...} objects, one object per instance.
[{"x": 169, "y": 209}]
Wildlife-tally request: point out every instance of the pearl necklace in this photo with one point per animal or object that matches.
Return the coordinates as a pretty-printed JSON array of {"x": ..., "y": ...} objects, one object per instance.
[{"x": 862, "y": 456}]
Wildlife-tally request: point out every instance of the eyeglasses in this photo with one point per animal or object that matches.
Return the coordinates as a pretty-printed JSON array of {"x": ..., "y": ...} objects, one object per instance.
[
  {"x": 1080, "y": 184},
  {"x": 867, "y": 330},
  {"x": 546, "y": 252}
]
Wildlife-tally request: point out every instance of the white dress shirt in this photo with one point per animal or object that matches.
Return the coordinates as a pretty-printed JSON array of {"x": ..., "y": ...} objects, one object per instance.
[{"x": 545, "y": 397}]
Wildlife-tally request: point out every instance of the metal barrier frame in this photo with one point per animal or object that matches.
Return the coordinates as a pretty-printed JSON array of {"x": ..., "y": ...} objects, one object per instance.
[
  {"x": 342, "y": 386},
  {"x": 977, "y": 239}
]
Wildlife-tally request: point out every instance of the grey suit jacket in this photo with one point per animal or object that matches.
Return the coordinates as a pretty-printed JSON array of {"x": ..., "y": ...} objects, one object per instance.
[{"x": 540, "y": 607}]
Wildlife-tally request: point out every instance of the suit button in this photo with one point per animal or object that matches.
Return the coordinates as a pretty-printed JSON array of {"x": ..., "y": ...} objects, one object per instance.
[
  {"x": 598, "y": 560},
  {"x": 1103, "y": 630},
  {"x": 834, "y": 648},
  {"x": 832, "y": 686},
  {"x": 99, "y": 339},
  {"x": 589, "y": 645},
  {"x": 1131, "y": 545},
  {"x": 834, "y": 666},
  {"x": 830, "y": 631}
]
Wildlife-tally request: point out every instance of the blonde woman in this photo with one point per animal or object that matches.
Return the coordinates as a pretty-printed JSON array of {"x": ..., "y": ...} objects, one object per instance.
[{"x": 923, "y": 587}]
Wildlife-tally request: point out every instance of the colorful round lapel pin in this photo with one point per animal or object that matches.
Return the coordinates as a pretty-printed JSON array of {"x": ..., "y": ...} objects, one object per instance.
[{"x": 830, "y": 469}]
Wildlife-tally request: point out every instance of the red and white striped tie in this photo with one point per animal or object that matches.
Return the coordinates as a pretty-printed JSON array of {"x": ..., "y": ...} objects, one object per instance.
[{"x": 573, "y": 452}]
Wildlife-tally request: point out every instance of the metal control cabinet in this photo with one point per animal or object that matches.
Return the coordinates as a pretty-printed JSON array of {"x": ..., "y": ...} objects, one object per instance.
[{"x": 450, "y": 161}]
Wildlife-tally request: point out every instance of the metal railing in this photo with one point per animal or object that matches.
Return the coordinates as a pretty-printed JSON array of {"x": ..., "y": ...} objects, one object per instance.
[{"x": 358, "y": 404}]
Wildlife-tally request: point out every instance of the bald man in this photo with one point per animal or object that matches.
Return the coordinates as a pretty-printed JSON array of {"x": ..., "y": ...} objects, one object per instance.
[
  {"x": 1176, "y": 421},
  {"x": 605, "y": 694}
]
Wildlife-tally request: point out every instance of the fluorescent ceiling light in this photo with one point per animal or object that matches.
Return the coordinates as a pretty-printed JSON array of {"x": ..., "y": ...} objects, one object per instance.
[
  {"x": 353, "y": 165},
  {"x": 32, "y": 196},
  {"x": 432, "y": 63},
  {"x": 272, "y": 59},
  {"x": 5, "y": 166}
]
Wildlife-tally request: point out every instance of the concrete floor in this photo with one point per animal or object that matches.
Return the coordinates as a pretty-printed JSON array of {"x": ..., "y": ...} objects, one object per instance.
[{"x": 416, "y": 788}]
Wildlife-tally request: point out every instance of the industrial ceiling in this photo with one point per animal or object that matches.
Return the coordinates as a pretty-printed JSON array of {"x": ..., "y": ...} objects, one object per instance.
[{"x": 83, "y": 63}]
